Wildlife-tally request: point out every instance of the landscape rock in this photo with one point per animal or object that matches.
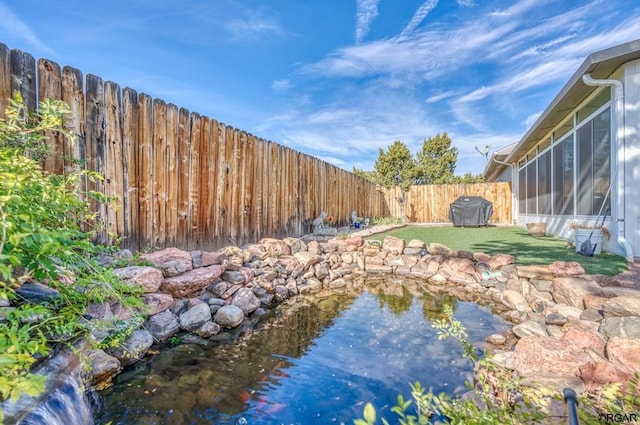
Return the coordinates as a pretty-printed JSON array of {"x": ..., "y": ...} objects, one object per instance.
[
  {"x": 133, "y": 348},
  {"x": 37, "y": 293},
  {"x": 501, "y": 260},
  {"x": 157, "y": 302},
  {"x": 206, "y": 258},
  {"x": 547, "y": 356},
  {"x": 246, "y": 300},
  {"x": 195, "y": 317},
  {"x": 307, "y": 259},
  {"x": 625, "y": 351},
  {"x": 584, "y": 338},
  {"x": 295, "y": 245},
  {"x": 276, "y": 247},
  {"x": 208, "y": 329},
  {"x": 624, "y": 305},
  {"x": 103, "y": 367},
  {"x": 393, "y": 244},
  {"x": 572, "y": 290},
  {"x": 530, "y": 328},
  {"x": 512, "y": 299},
  {"x": 229, "y": 316},
  {"x": 145, "y": 277},
  {"x": 163, "y": 325},
  {"x": 564, "y": 269},
  {"x": 627, "y": 327},
  {"x": 192, "y": 281},
  {"x": 233, "y": 277},
  {"x": 435, "y": 248},
  {"x": 597, "y": 374},
  {"x": 172, "y": 261}
]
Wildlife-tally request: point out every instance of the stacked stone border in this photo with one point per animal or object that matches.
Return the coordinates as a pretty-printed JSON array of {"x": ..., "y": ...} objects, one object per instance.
[{"x": 569, "y": 329}]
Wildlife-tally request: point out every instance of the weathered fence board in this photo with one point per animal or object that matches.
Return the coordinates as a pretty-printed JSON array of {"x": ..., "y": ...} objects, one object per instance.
[
  {"x": 49, "y": 77},
  {"x": 430, "y": 203},
  {"x": 171, "y": 172},
  {"x": 23, "y": 77},
  {"x": 145, "y": 170},
  {"x": 178, "y": 178},
  {"x": 130, "y": 208},
  {"x": 73, "y": 94},
  {"x": 95, "y": 140},
  {"x": 195, "y": 236},
  {"x": 5, "y": 77}
]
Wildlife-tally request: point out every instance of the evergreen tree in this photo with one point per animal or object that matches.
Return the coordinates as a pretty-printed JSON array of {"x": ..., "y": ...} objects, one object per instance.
[
  {"x": 395, "y": 167},
  {"x": 436, "y": 161}
]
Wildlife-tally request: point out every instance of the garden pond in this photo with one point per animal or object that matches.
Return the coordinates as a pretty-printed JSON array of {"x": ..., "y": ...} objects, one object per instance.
[{"x": 316, "y": 361}]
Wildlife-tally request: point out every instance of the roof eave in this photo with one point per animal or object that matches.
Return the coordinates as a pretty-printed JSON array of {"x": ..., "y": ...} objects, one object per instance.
[{"x": 601, "y": 64}]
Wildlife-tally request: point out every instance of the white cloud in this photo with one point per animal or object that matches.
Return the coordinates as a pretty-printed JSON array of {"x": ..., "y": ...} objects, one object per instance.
[
  {"x": 16, "y": 27},
  {"x": 254, "y": 26},
  {"x": 419, "y": 16},
  {"x": 366, "y": 12},
  {"x": 531, "y": 119},
  {"x": 281, "y": 85}
]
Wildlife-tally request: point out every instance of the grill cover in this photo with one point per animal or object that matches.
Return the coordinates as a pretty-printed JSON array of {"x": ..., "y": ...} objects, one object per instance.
[{"x": 470, "y": 211}]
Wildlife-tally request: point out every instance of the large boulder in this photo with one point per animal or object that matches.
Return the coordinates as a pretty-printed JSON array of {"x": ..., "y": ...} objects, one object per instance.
[
  {"x": 192, "y": 281},
  {"x": 133, "y": 348},
  {"x": 573, "y": 290},
  {"x": 157, "y": 303},
  {"x": 624, "y": 351},
  {"x": 538, "y": 355},
  {"x": 624, "y": 305},
  {"x": 103, "y": 367},
  {"x": 597, "y": 374},
  {"x": 206, "y": 258},
  {"x": 163, "y": 325},
  {"x": 229, "y": 316},
  {"x": 307, "y": 259},
  {"x": 276, "y": 247},
  {"x": 195, "y": 317},
  {"x": 393, "y": 244},
  {"x": 620, "y": 326},
  {"x": 563, "y": 268},
  {"x": 246, "y": 299},
  {"x": 172, "y": 261},
  {"x": 145, "y": 277}
]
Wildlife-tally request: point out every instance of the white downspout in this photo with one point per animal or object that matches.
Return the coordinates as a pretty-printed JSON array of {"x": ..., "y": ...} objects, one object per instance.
[
  {"x": 513, "y": 180},
  {"x": 620, "y": 133}
]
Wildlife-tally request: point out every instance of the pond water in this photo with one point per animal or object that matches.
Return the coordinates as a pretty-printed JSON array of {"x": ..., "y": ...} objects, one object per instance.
[{"x": 317, "y": 363}]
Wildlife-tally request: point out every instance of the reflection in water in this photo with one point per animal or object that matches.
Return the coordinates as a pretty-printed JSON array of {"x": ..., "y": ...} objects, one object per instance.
[{"x": 314, "y": 363}]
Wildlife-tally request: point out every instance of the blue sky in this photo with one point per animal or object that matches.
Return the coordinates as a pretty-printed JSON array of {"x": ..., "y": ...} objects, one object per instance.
[{"x": 337, "y": 79}]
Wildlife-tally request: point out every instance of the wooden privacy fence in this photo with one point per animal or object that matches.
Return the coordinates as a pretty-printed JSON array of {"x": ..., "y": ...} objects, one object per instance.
[
  {"x": 180, "y": 178},
  {"x": 430, "y": 203}
]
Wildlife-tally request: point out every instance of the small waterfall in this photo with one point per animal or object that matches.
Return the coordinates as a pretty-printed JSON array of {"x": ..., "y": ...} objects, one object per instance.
[
  {"x": 64, "y": 401},
  {"x": 66, "y": 405}
]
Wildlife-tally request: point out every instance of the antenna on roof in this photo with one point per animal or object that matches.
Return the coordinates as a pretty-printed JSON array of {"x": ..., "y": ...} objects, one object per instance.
[{"x": 484, "y": 150}]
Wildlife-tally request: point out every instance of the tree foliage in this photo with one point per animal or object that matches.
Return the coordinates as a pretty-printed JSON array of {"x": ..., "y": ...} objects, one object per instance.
[
  {"x": 434, "y": 163},
  {"x": 395, "y": 167},
  {"x": 42, "y": 217},
  {"x": 468, "y": 178},
  {"x": 436, "y": 160}
]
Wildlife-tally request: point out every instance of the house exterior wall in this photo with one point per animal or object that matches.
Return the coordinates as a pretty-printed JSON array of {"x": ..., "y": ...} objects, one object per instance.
[
  {"x": 624, "y": 220},
  {"x": 629, "y": 158}
]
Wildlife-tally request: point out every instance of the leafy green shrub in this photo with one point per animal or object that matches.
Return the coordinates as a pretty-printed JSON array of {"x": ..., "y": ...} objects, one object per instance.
[
  {"x": 383, "y": 221},
  {"x": 42, "y": 217}
]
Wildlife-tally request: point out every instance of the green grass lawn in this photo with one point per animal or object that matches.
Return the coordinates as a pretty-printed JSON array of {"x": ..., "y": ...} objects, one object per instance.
[{"x": 510, "y": 240}]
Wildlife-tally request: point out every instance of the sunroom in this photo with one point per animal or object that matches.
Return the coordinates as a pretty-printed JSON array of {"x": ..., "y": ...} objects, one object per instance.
[{"x": 579, "y": 164}]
